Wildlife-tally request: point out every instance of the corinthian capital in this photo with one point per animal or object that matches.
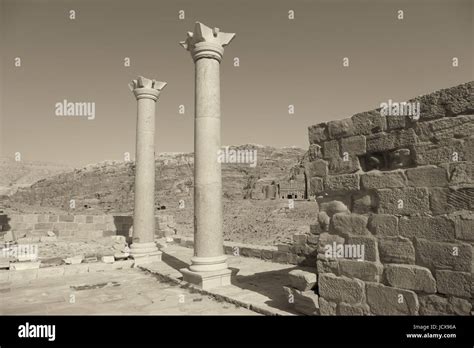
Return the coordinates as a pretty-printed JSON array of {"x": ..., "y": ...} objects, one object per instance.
[{"x": 206, "y": 42}]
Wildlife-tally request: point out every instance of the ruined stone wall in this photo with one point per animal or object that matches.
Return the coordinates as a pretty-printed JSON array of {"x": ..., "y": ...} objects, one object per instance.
[
  {"x": 404, "y": 190},
  {"x": 34, "y": 227}
]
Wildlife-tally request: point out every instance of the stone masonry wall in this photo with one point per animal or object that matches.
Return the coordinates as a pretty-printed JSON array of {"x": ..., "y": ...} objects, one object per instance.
[
  {"x": 404, "y": 190},
  {"x": 35, "y": 226}
]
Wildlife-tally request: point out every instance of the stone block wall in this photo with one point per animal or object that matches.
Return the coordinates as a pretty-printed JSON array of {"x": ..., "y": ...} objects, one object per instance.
[
  {"x": 35, "y": 226},
  {"x": 402, "y": 191}
]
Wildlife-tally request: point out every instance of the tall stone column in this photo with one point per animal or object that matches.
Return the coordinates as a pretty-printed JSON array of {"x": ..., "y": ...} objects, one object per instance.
[
  {"x": 209, "y": 266},
  {"x": 143, "y": 248}
]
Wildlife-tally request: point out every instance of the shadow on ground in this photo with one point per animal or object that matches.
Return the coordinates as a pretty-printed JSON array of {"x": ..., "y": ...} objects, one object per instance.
[{"x": 268, "y": 284}]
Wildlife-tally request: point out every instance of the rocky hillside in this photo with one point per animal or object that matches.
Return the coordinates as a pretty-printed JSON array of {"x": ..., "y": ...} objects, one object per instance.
[
  {"x": 14, "y": 175},
  {"x": 108, "y": 186}
]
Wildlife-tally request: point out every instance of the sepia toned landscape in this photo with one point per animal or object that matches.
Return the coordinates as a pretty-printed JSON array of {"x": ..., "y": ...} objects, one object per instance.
[{"x": 304, "y": 164}]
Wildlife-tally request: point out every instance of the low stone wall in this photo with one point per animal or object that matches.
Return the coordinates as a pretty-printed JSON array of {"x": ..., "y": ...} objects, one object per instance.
[
  {"x": 35, "y": 226},
  {"x": 402, "y": 192},
  {"x": 280, "y": 254},
  {"x": 27, "y": 275}
]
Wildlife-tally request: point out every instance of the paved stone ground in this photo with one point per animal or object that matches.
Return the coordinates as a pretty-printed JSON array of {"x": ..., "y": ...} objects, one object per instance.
[
  {"x": 128, "y": 291},
  {"x": 154, "y": 289},
  {"x": 256, "y": 283}
]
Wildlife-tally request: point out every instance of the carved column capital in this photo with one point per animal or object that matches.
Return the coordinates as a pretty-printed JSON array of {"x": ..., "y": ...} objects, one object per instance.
[
  {"x": 146, "y": 88},
  {"x": 206, "y": 42}
]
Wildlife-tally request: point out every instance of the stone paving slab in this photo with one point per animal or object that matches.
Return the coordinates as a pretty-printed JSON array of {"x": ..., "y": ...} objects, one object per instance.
[
  {"x": 256, "y": 284},
  {"x": 114, "y": 292}
]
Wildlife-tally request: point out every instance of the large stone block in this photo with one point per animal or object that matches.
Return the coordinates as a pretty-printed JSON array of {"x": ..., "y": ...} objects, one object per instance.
[
  {"x": 383, "y": 180},
  {"x": 302, "y": 280},
  {"x": 427, "y": 176},
  {"x": 331, "y": 149},
  {"x": 364, "y": 202},
  {"x": 66, "y": 218},
  {"x": 440, "y": 200},
  {"x": 306, "y": 302},
  {"x": 326, "y": 265},
  {"x": 464, "y": 224},
  {"x": 401, "y": 158},
  {"x": 446, "y": 128},
  {"x": 317, "y": 133},
  {"x": 281, "y": 257},
  {"x": 84, "y": 227},
  {"x": 396, "y": 250},
  {"x": 349, "y": 224},
  {"x": 468, "y": 149},
  {"x": 383, "y": 225},
  {"x": 80, "y": 219},
  {"x": 341, "y": 289},
  {"x": 436, "y": 228},
  {"x": 340, "y": 128},
  {"x": 406, "y": 201},
  {"x": 369, "y": 122},
  {"x": 327, "y": 307},
  {"x": 30, "y": 218},
  {"x": 363, "y": 270},
  {"x": 333, "y": 205},
  {"x": 449, "y": 151},
  {"x": 438, "y": 305},
  {"x": 384, "y": 300},
  {"x": 71, "y": 226},
  {"x": 410, "y": 277},
  {"x": 42, "y": 218},
  {"x": 326, "y": 239},
  {"x": 316, "y": 186},
  {"x": 352, "y": 310},
  {"x": 381, "y": 142},
  {"x": 341, "y": 183},
  {"x": 99, "y": 219},
  {"x": 460, "y": 306},
  {"x": 317, "y": 168},
  {"x": 454, "y": 283},
  {"x": 19, "y": 226},
  {"x": 314, "y": 152},
  {"x": 251, "y": 252},
  {"x": 344, "y": 165},
  {"x": 461, "y": 173},
  {"x": 355, "y": 145},
  {"x": 447, "y": 256},
  {"x": 398, "y": 122},
  {"x": 366, "y": 245}
]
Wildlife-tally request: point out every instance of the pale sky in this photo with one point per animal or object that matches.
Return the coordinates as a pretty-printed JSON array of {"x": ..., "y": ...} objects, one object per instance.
[{"x": 282, "y": 62}]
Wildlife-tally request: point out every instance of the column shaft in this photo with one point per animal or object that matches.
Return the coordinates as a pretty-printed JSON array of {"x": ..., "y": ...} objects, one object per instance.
[
  {"x": 208, "y": 237},
  {"x": 144, "y": 212}
]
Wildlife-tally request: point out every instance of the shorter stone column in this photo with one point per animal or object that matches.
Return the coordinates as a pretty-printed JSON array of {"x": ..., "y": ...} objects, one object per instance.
[{"x": 143, "y": 248}]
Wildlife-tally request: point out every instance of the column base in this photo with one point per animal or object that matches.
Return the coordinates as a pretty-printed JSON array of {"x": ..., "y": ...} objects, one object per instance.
[
  {"x": 207, "y": 280},
  {"x": 208, "y": 264},
  {"x": 144, "y": 253}
]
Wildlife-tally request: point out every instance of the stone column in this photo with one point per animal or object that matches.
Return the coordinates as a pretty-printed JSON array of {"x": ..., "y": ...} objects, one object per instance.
[
  {"x": 143, "y": 248},
  {"x": 208, "y": 266}
]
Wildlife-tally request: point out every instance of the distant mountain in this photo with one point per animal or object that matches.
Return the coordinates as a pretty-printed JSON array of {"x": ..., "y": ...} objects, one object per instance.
[
  {"x": 109, "y": 186},
  {"x": 14, "y": 175}
]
